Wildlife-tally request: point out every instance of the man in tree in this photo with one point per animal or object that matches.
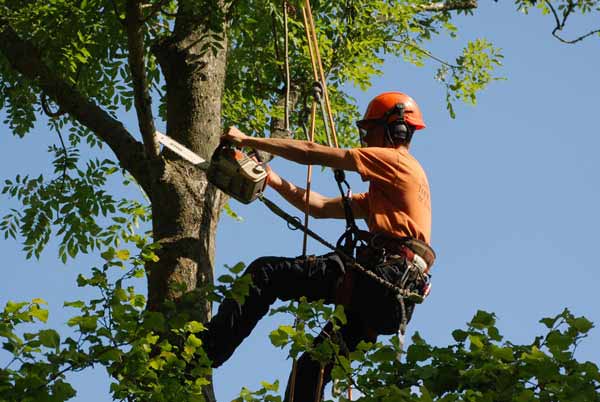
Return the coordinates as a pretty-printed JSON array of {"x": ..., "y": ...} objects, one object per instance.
[{"x": 397, "y": 209}]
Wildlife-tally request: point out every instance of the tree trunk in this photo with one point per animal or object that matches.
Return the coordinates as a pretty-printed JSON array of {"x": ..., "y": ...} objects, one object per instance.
[{"x": 185, "y": 207}]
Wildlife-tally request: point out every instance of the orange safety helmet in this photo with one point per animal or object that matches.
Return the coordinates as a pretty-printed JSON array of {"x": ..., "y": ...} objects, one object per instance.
[{"x": 381, "y": 106}]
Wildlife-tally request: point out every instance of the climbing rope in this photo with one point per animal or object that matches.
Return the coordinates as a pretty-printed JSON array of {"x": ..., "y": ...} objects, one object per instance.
[{"x": 286, "y": 51}]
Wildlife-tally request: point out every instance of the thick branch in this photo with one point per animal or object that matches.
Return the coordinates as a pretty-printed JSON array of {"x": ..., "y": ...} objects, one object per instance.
[
  {"x": 25, "y": 58},
  {"x": 450, "y": 5},
  {"x": 137, "y": 65}
]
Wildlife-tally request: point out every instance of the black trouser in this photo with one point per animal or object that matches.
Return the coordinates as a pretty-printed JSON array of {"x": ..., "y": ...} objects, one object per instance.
[{"x": 373, "y": 309}]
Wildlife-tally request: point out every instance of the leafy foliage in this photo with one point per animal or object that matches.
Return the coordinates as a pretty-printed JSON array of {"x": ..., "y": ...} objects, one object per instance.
[
  {"x": 480, "y": 366},
  {"x": 354, "y": 37},
  {"x": 72, "y": 201},
  {"x": 158, "y": 356}
]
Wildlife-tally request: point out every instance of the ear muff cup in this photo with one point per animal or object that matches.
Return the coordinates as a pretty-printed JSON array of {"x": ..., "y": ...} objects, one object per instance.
[{"x": 398, "y": 131}]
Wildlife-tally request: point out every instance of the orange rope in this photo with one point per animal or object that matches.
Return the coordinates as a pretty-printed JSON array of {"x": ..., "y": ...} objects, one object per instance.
[
  {"x": 311, "y": 50},
  {"x": 311, "y": 138},
  {"x": 322, "y": 80}
]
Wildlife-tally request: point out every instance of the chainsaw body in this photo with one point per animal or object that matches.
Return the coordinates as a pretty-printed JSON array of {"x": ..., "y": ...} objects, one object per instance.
[{"x": 237, "y": 174}]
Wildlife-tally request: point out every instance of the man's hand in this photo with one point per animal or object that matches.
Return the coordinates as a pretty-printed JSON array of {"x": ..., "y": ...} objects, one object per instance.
[
  {"x": 273, "y": 179},
  {"x": 234, "y": 136}
]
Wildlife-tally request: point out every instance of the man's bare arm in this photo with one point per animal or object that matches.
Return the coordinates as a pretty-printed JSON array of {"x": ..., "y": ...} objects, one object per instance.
[
  {"x": 303, "y": 152},
  {"x": 319, "y": 206}
]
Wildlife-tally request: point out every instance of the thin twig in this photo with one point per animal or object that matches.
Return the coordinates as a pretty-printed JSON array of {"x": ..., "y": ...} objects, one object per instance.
[
  {"x": 427, "y": 53},
  {"x": 65, "y": 160},
  {"x": 276, "y": 42},
  {"x": 10, "y": 363},
  {"x": 46, "y": 108},
  {"x": 560, "y": 24}
]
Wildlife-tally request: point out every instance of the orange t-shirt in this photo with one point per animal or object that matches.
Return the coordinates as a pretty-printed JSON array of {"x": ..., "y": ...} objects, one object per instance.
[{"x": 398, "y": 200}]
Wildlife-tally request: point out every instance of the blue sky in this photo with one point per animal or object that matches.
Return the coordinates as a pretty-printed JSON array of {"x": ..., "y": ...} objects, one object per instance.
[{"x": 514, "y": 195}]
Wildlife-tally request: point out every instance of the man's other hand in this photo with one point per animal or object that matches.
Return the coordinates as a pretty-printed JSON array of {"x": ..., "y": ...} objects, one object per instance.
[{"x": 273, "y": 179}]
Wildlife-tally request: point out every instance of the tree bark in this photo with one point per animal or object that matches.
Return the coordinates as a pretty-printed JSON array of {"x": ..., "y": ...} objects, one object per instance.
[{"x": 185, "y": 207}]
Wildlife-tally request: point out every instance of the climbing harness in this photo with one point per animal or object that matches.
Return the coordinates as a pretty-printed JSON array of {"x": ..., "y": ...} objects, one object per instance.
[
  {"x": 234, "y": 172},
  {"x": 348, "y": 259}
]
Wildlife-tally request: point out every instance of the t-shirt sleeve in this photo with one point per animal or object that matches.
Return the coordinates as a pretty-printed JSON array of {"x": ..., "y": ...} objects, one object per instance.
[
  {"x": 379, "y": 164},
  {"x": 361, "y": 201}
]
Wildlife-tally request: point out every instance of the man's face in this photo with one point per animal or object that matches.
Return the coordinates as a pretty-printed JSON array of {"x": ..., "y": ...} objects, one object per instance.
[{"x": 372, "y": 135}]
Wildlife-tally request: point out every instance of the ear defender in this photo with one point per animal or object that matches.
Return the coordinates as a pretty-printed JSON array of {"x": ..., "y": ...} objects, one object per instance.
[{"x": 397, "y": 130}]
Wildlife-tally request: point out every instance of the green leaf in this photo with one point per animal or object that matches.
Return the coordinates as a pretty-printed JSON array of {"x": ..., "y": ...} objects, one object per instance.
[
  {"x": 231, "y": 213},
  {"x": 49, "y": 338},
  {"x": 110, "y": 355},
  {"x": 13, "y": 307},
  {"x": 535, "y": 355},
  {"x": 193, "y": 340},
  {"x": 385, "y": 354},
  {"x": 476, "y": 342},
  {"x": 75, "y": 304},
  {"x": 40, "y": 314},
  {"x": 280, "y": 336},
  {"x": 557, "y": 340},
  {"x": 270, "y": 387},
  {"x": 237, "y": 268},
  {"x": 194, "y": 327},
  {"x": 108, "y": 254},
  {"x": 549, "y": 322},
  {"x": 503, "y": 353},
  {"x": 122, "y": 254},
  {"x": 459, "y": 335},
  {"x": 62, "y": 391},
  {"x": 582, "y": 324},
  {"x": 482, "y": 319},
  {"x": 340, "y": 315},
  {"x": 417, "y": 353},
  {"x": 154, "y": 321}
]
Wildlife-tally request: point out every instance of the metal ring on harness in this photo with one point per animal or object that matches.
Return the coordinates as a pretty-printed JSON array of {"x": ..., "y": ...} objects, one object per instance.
[{"x": 291, "y": 226}]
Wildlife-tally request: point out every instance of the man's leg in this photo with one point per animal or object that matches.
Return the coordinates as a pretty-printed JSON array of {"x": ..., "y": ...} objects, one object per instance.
[
  {"x": 308, "y": 370},
  {"x": 272, "y": 278}
]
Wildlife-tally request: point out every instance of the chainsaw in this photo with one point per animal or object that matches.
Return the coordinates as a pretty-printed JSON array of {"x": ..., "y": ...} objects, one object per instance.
[{"x": 234, "y": 172}]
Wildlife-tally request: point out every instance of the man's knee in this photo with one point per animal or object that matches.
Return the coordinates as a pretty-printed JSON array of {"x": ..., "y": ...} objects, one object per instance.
[
  {"x": 259, "y": 270},
  {"x": 271, "y": 274}
]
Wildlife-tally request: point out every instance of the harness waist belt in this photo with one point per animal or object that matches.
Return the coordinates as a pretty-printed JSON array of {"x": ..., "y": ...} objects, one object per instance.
[{"x": 415, "y": 251}]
